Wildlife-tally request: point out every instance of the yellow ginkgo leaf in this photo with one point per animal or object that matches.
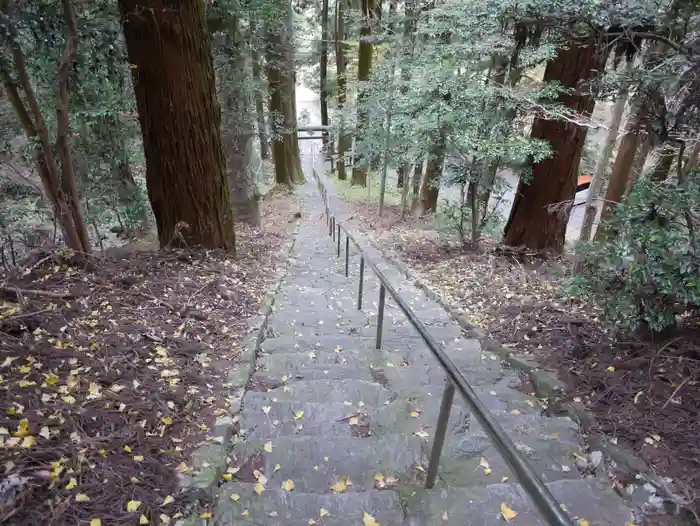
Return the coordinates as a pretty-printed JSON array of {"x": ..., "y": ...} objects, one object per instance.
[
  {"x": 311, "y": 522},
  {"x": 508, "y": 514},
  {"x": 133, "y": 505},
  {"x": 235, "y": 497},
  {"x": 138, "y": 458},
  {"x": 378, "y": 477},
  {"x": 259, "y": 488},
  {"x": 95, "y": 522},
  {"x": 268, "y": 446},
  {"x": 144, "y": 520},
  {"x": 420, "y": 468},
  {"x": 340, "y": 485},
  {"x": 288, "y": 485},
  {"x": 284, "y": 378},
  {"x": 415, "y": 414},
  {"x": 583, "y": 522},
  {"x": 167, "y": 420},
  {"x": 368, "y": 520},
  {"x": 277, "y": 467},
  {"x": 205, "y": 515},
  {"x": 165, "y": 519},
  {"x": 81, "y": 497},
  {"x": 244, "y": 513},
  {"x": 266, "y": 409},
  {"x": 563, "y": 507},
  {"x": 421, "y": 434},
  {"x": 298, "y": 414},
  {"x": 323, "y": 512},
  {"x": 227, "y": 476},
  {"x": 71, "y": 483},
  {"x": 610, "y": 369},
  {"x": 445, "y": 517},
  {"x": 168, "y": 500}
]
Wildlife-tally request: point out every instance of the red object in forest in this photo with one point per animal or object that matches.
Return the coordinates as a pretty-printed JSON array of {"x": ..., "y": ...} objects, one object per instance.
[{"x": 584, "y": 181}]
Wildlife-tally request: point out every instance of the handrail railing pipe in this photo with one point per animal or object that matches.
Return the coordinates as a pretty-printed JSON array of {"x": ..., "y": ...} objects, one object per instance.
[
  {"x": 347, "y": 254},
  {"x": 455, "y": 381}
]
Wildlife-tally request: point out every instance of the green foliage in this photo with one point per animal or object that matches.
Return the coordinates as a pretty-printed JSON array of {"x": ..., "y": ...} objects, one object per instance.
[{"x": 651, "y": 271}]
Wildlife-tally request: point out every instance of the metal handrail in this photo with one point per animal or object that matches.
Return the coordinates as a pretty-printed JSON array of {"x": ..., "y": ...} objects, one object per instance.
[{"x": 547, "y": 505}]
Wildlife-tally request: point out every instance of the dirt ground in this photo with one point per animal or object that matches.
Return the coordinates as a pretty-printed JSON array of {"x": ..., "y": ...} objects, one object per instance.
[
  {"x": 111, "y": 374},
  {"x": 645, "y": 394}
]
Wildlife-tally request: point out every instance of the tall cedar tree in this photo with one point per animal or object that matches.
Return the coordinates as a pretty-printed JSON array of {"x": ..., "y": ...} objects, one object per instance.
[
  {"x": 341, "y": 67},
  {"x": 364, "y": 68},
  {"x": 169, "y": 49},
  {"x": 532, "y": 222}
]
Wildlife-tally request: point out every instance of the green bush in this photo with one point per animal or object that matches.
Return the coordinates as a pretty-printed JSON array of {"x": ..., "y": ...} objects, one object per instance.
[{"x": 649, "y": 272}]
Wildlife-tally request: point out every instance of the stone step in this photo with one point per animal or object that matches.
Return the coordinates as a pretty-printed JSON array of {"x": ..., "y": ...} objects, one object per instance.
[
  {"x": 583, "y": 499},
  {"x": 297, "y": 367},
  {"x": 277, "y": 507},
  {"x": 356, "y": 392},
  {"x": 291, "y": 418},
  {"x": 305, "y": 340},
  {"x": 317, "y": 462}
]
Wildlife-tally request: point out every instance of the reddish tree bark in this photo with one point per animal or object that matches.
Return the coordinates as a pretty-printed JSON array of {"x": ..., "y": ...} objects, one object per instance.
[
  {"x": 169, "y": 49},
  {"x": 532, "y": 223}
]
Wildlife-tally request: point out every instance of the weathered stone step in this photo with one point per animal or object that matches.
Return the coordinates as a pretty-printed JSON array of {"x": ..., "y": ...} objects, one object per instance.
[
  {"x": 329, "y": 391},
  {"x": 277, "y": 507},
  {"x": 304, "y": 339},
  {"x": 291, "y": 418},
  {"x": 584, "y": 499},
  {"x": 317, "y": 462},
  {"x": 296, "y": 367},
  {"x": 290, "y": 363}
]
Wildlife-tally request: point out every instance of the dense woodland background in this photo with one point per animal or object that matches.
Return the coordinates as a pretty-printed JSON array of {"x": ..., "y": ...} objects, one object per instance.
[{"x": 170, "y": 122}]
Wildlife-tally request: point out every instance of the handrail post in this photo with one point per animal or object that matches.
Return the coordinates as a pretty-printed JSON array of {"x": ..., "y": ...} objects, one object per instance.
[
  {"x": 347, "y": 254},
  {"x": 443, "y": 418},
  {"x": 333, "y": 227},
  {"x": 362, "y": 279},
  {"x": 380, "y": 315},
  {"x": 338, "y": 239}
]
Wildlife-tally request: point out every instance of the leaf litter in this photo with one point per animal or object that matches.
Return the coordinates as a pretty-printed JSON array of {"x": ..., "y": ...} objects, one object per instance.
[{"x": 114, "y": 372}]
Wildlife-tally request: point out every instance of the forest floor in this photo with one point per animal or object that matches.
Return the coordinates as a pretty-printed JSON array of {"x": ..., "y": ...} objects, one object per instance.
[
  {"x": 114, "y": 373},
  {"x": 646, "y": 395}
]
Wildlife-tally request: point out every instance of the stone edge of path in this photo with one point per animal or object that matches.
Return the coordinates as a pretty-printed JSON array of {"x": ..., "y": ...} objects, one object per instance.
[
  {"x": 547, "y": 385},
  {"x": 210, "y": 458}
]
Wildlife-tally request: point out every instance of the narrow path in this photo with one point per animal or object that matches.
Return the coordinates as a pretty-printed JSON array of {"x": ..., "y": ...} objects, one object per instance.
[{"x": 335, "y": 432}]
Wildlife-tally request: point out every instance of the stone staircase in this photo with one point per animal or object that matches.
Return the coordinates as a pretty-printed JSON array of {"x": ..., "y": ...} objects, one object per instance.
[{"x": 335, "y": 432}]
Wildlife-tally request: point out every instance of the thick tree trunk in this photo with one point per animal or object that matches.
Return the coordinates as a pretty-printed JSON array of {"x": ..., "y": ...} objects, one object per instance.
[
  {"x": 258, "y": 95},
  {"x": 169, "y": 48},
  {"x": 433, "y": 172},
  {"x": 601, "y": 169},
  {"x": 532, "y": 223},
  {"x": 237, "y": 131},
  {"x": 364, "y": 69},
  {"x": 640, "y": 160},
  {"x": 327, "y": 141},
  {"x": 281, "y": 82},
  {"x": 341, "y": 81}
]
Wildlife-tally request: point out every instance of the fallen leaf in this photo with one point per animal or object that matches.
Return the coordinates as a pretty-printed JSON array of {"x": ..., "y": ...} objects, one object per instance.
[
  {"x": 485, "y": 464},
  {"x": 340, "y": 485},
  {"x": 508, "y": 514},
  {"x": 277, "y": 467},
  {"x": 421, "y": 434},
  {"x": 81, "y": 497},
  {"x": 445, "y": 517},
  {"x": 144, "y": 520},
  {"x": 138, "y": 458},
  {"x": 298, "y": 414},
  {"x": 583, "y": 522},
  {"x": 259, "y": 488},
  {"x": 168, "y": 500},
  {"x": 244, "y": 513},
  {"x": 610, "y": 369},
  {"x": 268, "y": 446},
  {"x": 72, "y": 483},
  {"x": 415, "y": 414},
  {"x": 205, "y": 515},
  {"x": 420, "y": 468},
  {"x": 323, "y": 512},
  {"x": 266, "y": 409},
  {"x": 235, "y": 497},
  {"x": 288, "y": 485},
  {"x": 368, "y": 520},
  {"x": 563, "y": 507},
  {"x": 133, "y": 505},
  {"x": 95, "y": 522}
]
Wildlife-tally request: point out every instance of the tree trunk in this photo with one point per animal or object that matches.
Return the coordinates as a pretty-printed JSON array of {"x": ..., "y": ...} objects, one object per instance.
[
  {"x": 341, "y": 80},
  {"x": 620, "y": 175},
  {"x": 433, "y": 172},
  {"x": 281, "y": 82},
  {"x": 531, "y": 223},
  {"x": 237, "y": 130},
  {"x": 640, "y": 160},
  {"x": 364, "y": 69},
  {"x": 327, "y": 143},
  {"x": 259, "y": 105},
  {"x": 409, "y": 28},
  {"x": 415, "y": 186},
  {"x": 169, "y": 48},
  {"x": 601, "y": 169},
  {"x": 663, "y": 164}
]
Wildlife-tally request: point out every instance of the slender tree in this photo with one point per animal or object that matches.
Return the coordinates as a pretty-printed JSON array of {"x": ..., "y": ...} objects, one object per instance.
[
  {"x": 532, "y": 222},
  {"x": 256, "y": 60},
  {"x": 602, "y": 164},
  {"x": 364, "y": 69},
  {"x": 341, "y": 81},
  {"x": 169, "y": 48},
  {"x": 327, "y": 143}
]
